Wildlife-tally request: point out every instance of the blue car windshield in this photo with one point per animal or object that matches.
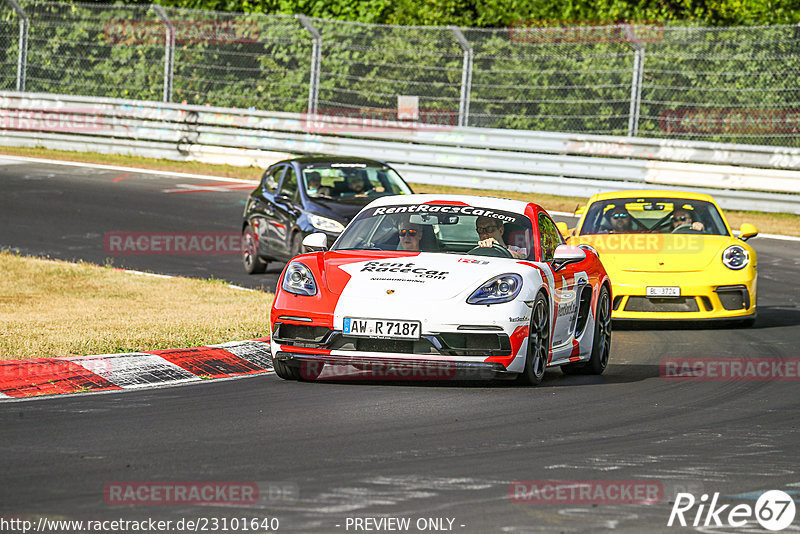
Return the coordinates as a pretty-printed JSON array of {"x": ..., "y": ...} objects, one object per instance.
[{"x": 352, "y": 180}]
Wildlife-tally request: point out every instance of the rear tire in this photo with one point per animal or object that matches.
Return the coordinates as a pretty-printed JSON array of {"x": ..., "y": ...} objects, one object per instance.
[
  {"x": 250, "y": 260},
  {"x": 538, "y": 344},
  {"x": 601, "y": 342}
]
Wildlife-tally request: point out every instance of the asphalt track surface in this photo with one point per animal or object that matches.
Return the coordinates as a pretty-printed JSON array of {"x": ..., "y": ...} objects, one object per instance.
[{"x": 326, "y": 453}]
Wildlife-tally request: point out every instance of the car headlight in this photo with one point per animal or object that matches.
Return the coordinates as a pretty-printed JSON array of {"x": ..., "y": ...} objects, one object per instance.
[
  {"x": 499, "y": 289},
  {"x": 325, "y": 224},
  {"x": 299, "y": 280},
  {"x": 735, "y": 257}
]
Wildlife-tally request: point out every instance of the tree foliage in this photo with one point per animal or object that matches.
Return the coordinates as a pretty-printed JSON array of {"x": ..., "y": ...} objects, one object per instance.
[
  {"x": 500, "y": 13},
  {"x": 524, "y": 76}
]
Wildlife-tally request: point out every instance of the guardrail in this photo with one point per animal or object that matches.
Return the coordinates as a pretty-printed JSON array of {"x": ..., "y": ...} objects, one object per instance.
[{"x": 739, "y": 176}]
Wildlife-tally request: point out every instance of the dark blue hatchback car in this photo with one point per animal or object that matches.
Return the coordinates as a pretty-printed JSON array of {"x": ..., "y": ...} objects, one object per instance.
[{"x": 305, "y": 195}]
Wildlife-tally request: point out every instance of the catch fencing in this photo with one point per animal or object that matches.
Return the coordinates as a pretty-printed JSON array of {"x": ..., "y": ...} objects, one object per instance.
[
  {"x": 744, "y": 177},
  {"x": 646, "y": 80}
]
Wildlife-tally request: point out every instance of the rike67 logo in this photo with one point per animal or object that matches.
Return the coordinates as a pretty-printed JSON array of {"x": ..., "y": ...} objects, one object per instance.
[{"x": 774, "y": 510}]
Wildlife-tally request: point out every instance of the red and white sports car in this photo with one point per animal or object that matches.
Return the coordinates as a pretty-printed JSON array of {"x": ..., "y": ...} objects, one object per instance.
[{"x": 442, "y": 286}]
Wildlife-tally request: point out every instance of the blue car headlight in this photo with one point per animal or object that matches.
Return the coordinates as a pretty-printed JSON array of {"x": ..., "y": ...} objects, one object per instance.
[
  {"x": 503, "y": 288},
  {"x": 325, "y": 224},
  {"x": 298, "y": 280},
  {"x": 735, "y": 257}
]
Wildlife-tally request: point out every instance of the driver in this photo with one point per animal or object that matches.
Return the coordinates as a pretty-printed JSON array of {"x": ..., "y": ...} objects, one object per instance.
[
  {"x": 683, "y": 217},
  {"x": 410, "y": 235},
  {"x": 490, "y": 232},
  {"x": 357, "y": 186}
]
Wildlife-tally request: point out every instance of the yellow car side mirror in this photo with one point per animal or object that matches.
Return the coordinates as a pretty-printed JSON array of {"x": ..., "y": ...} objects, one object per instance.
[
  {"x": 747, "y": 231},
  {"x": 563, "y": 229}
]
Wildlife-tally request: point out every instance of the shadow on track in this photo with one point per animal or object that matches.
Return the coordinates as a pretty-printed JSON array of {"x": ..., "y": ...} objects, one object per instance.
[
  {"x": 615, "y": 374},
  {"x": 768, "y": 317}
]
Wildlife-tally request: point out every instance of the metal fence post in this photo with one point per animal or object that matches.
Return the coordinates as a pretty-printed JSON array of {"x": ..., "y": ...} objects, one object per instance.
[
  {"x": 22, "y": 57},
  {"x": 316, "y": 61},
  {"x": 636, "y": 82},
  {"x": 466, "y": 76},
  {"x": 169, "y": 51}
]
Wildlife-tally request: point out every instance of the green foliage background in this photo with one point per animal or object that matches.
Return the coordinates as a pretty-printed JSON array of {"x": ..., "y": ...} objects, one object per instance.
[
  {"x": 546, "y": 85},
  {"x": 499, "y": 13}
]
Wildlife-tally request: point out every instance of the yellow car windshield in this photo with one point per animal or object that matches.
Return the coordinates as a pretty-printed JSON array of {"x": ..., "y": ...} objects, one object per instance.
[{"x": 653, "y": 215}]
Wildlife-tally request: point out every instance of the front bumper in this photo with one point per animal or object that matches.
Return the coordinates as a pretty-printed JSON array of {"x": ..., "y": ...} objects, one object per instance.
[
  {"x": 388, "y": 367},
  {"x": 699, "y": 300}
]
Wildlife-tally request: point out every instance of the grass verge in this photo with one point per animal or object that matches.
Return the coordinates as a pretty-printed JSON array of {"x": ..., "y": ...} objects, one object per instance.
[
  {"x": 53, "y": 308},
  {"x": 770, "y": 223}
]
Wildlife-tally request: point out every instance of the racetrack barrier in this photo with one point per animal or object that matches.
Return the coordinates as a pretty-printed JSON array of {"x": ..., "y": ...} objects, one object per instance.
[{"x": 746, "y": 177}]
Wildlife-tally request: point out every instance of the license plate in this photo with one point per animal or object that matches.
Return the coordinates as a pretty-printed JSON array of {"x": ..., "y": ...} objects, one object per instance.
[
  {"x": 382, "y": 328},
  {"x": 663, "y": 291}
]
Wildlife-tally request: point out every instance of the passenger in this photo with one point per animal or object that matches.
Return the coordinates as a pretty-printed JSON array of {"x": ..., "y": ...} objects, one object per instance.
[
  {"x": 313, "y": 183},
  {"x": 490, "y": 232},
  {"x": 620, "y": 220},
  {"x": 314, "y": 186}
]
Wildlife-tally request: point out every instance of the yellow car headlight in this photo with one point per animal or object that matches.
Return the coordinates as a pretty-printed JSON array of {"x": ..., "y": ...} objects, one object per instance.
[{"x": 735, "y": 257}]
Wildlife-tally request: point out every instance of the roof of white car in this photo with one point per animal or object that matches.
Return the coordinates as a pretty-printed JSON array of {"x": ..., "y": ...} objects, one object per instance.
[{"x": 505, "y": 204}]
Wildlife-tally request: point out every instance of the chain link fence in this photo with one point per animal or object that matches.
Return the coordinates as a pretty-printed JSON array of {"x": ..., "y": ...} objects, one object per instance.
[{"x": 715, "y": 84}]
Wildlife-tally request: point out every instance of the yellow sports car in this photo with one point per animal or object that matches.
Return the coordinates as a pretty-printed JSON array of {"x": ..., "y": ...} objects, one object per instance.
[{"x": 670, "y": 255}]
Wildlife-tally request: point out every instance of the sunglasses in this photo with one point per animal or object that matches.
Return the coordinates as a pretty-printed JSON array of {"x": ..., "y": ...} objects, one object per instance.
[
  {"x": 485, "y": 229},
  {"x": 411, "y": 232},
  {"x": 620, "y": 216},
  {"x": 681, "y": 218}
]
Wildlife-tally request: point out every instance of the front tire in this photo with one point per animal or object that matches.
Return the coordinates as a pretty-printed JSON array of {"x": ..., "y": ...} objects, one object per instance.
[
  {"x": 601, "y": 342},
  {"x": 297, "y": 244},
  {"x": 285, "y": 371},
  {"x": 538, "y": 344},
  {"x": 250, "y": 260}
]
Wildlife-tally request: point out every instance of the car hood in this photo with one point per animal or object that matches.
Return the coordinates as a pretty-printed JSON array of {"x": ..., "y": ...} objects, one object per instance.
[
  {"x": 340, "y": 210},
  {"x": 410, "y": 275},
  {"x": 657, "y": 252}
]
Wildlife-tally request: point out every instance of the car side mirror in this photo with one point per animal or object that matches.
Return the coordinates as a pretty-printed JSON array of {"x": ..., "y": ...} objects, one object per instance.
[
  {"x": 567, "y": 254},
  {"x": 747, "y": 231},
  {"x": 316, "y": 241},
  {"x": 563, "y": 229}
]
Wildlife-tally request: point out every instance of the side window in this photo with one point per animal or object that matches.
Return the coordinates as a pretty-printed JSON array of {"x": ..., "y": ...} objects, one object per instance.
[
  {"x": 549, "y": 237},
  {"x": 289, "y": 184},
  {"x": 272, "y": 177}
]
